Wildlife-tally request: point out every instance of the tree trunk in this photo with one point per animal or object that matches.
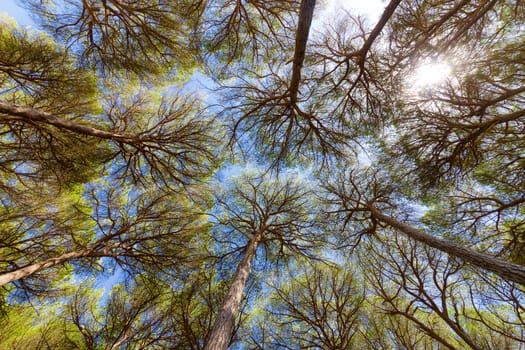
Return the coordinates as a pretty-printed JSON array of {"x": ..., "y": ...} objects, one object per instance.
[
  {"x": 34, "y": 268},
  {"x": 506, "y": 270},
  {"x": 32, "y": 115},
  {"x": 303, "y": 28},
  {"x": 385, "y": 17},
  {"x": 223, "y": 327}
]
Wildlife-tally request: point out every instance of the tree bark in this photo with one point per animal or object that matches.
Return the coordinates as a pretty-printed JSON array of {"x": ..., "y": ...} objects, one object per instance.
[
  {"x": 385, "y": 17},
  {"x": 223, "y": 327},
  {"x": 34, "y": 268},
  {"x": 301, "y": 37},
  {"x": 31, "y": 115},
  {"x": 504, "y": 269}
]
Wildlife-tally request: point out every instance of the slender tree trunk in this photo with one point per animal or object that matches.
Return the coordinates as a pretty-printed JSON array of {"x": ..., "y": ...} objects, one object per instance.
[
  {"x": 119, "y": 342},
  {"x": 225, "y": 321},
  {"x": 506, "y": 270},
  {"x": 34, "y": 268},
  {"x": 385, "y": 17},
  {"x": 32, "y": 115},
  {"x": 301, "y": 37},
  {"x": 89, "y": 252}
]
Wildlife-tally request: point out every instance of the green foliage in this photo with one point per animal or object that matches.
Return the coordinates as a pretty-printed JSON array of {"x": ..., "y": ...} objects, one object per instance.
[
  {"x": 141, "y": 38},
  {"x": 36, "y": 71},
  {"x": 242, "y": 34},
  {"x": 318, "y": 307},
  {"x": 112, "y": 170},
  {"x": 25, "y": 328}
]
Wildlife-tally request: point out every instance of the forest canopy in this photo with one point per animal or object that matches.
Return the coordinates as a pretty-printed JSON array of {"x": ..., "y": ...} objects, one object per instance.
[{"x": 287, "y": 174}]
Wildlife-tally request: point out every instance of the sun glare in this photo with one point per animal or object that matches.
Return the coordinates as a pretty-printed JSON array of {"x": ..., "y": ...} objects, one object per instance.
[{"x": 430, "y": 74}]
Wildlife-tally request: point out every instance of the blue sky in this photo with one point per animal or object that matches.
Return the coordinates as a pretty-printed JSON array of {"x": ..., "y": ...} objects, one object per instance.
[
  {"x": 369, "y": 8},
  {"x": 12, "y": 8}
]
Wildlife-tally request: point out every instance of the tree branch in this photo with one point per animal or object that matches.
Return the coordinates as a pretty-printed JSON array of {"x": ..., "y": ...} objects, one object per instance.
[
  {"x": 506, "y": 270},
  {"x": 27, "y": 114}
]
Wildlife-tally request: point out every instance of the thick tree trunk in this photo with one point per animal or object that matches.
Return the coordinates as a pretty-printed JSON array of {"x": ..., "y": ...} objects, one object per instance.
[
  {"x": 34, "y": 268},
  {"x": 31, "y": 115},
  {"x": 303, "y": 29},
  {"x": 502, "y": 268},
  {"x": 225, "y": 321}
]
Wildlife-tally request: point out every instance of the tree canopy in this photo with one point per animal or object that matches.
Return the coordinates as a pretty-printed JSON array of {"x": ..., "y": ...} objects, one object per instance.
[{"x": 222, "y": 174}]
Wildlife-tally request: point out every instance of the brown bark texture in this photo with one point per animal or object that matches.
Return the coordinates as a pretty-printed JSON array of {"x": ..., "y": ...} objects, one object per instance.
[
  {"x": 31, "y": 115},
  {"x": 303, "y": 28},
  {"x": 90, "y": 252},
  {"x": 223, "y": 327},
  {"x": 34, "y": 268},
  {"x": 506, "y": 270}
]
